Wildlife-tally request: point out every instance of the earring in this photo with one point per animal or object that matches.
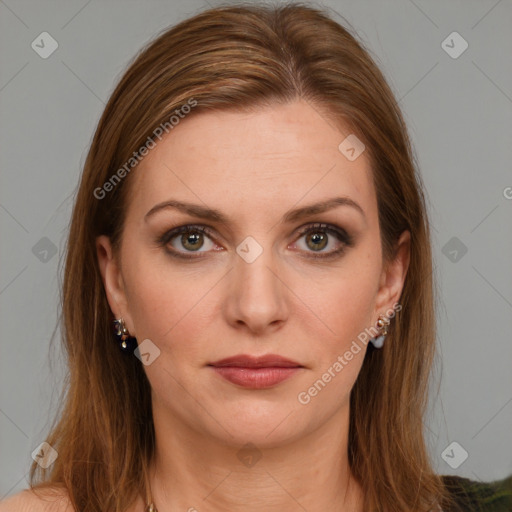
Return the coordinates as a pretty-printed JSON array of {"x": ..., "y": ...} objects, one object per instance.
[
  {"x": 382, "y": 325},
  {"x": 127, "y": 343}
]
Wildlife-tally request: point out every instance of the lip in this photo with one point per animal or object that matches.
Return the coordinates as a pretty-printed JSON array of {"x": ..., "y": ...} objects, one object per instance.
[
  {"x": 255, "y": 378},
  {"x": 248, "y": 361},
  {"x": 256, "y": 372}
]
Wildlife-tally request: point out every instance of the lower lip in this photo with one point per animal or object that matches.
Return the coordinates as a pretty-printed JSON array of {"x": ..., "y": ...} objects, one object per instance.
[{"x": 255, "y": 378}]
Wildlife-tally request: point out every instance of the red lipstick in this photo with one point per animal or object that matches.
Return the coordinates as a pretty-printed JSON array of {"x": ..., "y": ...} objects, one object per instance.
[{"x": 256, "y": 372}]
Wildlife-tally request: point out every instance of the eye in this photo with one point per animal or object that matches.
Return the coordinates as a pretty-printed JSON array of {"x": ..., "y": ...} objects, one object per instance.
[
  {"x": 319, "y": 236},
  {"x": 189, "y": 238}
]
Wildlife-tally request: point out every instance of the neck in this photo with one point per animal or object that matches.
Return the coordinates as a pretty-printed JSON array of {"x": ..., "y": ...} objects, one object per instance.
[{"x": 194, "y": 472}]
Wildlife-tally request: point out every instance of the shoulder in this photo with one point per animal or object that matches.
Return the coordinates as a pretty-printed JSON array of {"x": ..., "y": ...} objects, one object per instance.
[
  {"x": 47, "y": 500},
  {"x": 472, "y": 495}
]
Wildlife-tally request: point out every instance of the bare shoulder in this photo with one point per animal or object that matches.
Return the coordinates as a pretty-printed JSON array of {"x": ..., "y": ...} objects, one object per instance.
[{"x": 47, "y": 500}]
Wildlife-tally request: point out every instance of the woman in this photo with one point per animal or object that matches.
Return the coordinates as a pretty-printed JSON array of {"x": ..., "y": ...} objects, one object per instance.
[{"x": 285, "y": 366}]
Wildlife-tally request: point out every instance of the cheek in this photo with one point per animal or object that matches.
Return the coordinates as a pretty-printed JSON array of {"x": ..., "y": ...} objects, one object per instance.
[
  {"x": 341, "y": 303},
  {"x": 343, "y": 308},
  {"x": 345, "y": 314},
  {"x": 355, "y": 301},
  {"x": 166, "y": 304}
]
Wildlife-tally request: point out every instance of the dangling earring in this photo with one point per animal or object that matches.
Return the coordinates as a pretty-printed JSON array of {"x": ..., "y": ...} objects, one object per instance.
[
  {"x": 127, "y": 343},
  {"x": 382, "y": 325}
]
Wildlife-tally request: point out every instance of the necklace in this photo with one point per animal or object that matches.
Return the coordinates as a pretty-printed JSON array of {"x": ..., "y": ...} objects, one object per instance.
[{"x": 150, "y": 507}]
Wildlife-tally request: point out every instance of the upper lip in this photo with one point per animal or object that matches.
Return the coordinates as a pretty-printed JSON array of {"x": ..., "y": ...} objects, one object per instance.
[{"x": 266, "y": 361}]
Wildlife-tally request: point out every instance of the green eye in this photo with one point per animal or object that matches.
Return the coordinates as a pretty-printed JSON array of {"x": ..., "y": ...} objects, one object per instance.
[{"x": 318, "y": 236}]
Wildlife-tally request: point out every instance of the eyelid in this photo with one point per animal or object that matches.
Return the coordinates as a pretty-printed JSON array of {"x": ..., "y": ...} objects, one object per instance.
[{"x": 169, "y": 234}]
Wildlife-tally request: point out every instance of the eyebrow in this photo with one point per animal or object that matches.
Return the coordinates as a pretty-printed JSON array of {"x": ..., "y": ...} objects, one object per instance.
[{"x": 211, "y": 214}]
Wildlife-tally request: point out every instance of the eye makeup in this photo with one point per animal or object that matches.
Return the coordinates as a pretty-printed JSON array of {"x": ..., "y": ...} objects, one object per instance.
[{"x": 199, "y": 230}]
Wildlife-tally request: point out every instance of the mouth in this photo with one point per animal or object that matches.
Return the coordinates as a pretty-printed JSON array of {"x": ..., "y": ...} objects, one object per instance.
[{"x": 256, "y": 372}]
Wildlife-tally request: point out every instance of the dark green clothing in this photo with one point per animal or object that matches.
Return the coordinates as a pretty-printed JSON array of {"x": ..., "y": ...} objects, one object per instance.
[{"x": 474, "y": 496}]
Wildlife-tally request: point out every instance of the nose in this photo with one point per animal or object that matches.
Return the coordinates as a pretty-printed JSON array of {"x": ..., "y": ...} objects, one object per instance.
[{"x": 257, "y": 293}]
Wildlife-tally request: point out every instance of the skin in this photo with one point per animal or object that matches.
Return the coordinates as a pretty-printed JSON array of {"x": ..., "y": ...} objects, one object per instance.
[{"x": 253, "y": 168}]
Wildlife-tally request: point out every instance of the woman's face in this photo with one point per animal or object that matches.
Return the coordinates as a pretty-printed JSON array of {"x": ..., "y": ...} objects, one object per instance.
[{"x": 255, "y": 283}]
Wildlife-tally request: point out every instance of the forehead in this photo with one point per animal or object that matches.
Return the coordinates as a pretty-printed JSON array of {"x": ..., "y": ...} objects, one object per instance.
[{"x": 251, "y": 163}]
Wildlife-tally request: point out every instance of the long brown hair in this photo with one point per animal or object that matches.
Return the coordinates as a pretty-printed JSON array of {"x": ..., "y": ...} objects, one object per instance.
[{"x": 243, "y": 57}]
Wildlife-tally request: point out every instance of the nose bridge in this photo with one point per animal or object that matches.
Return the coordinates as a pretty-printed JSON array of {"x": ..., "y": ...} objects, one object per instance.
[
  {"x": 255, "y": 266},
  {"x": 256, "y": 296}
]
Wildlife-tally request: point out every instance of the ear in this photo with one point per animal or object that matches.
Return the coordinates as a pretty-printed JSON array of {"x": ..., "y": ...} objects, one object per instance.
[
  {"x": 393, "y": 276},
  {"x": 113, "y": 281}
]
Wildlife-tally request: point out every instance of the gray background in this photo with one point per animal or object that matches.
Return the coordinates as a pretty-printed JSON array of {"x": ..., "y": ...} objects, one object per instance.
[{"x": 459, "y": 113}]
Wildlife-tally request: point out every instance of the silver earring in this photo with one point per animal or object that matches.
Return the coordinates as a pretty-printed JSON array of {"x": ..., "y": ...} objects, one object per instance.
[{"x": 382, "y": 325}]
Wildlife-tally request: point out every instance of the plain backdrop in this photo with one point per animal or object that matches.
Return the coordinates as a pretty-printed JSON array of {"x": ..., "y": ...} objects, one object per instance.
[{"x": 457, "y": 102}]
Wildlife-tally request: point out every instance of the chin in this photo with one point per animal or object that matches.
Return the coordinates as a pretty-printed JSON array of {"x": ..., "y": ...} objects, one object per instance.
[{"x": 265, "y": 429}]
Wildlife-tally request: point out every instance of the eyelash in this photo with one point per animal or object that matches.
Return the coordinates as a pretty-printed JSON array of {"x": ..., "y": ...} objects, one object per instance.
[{"x": 341, "y": 234}]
